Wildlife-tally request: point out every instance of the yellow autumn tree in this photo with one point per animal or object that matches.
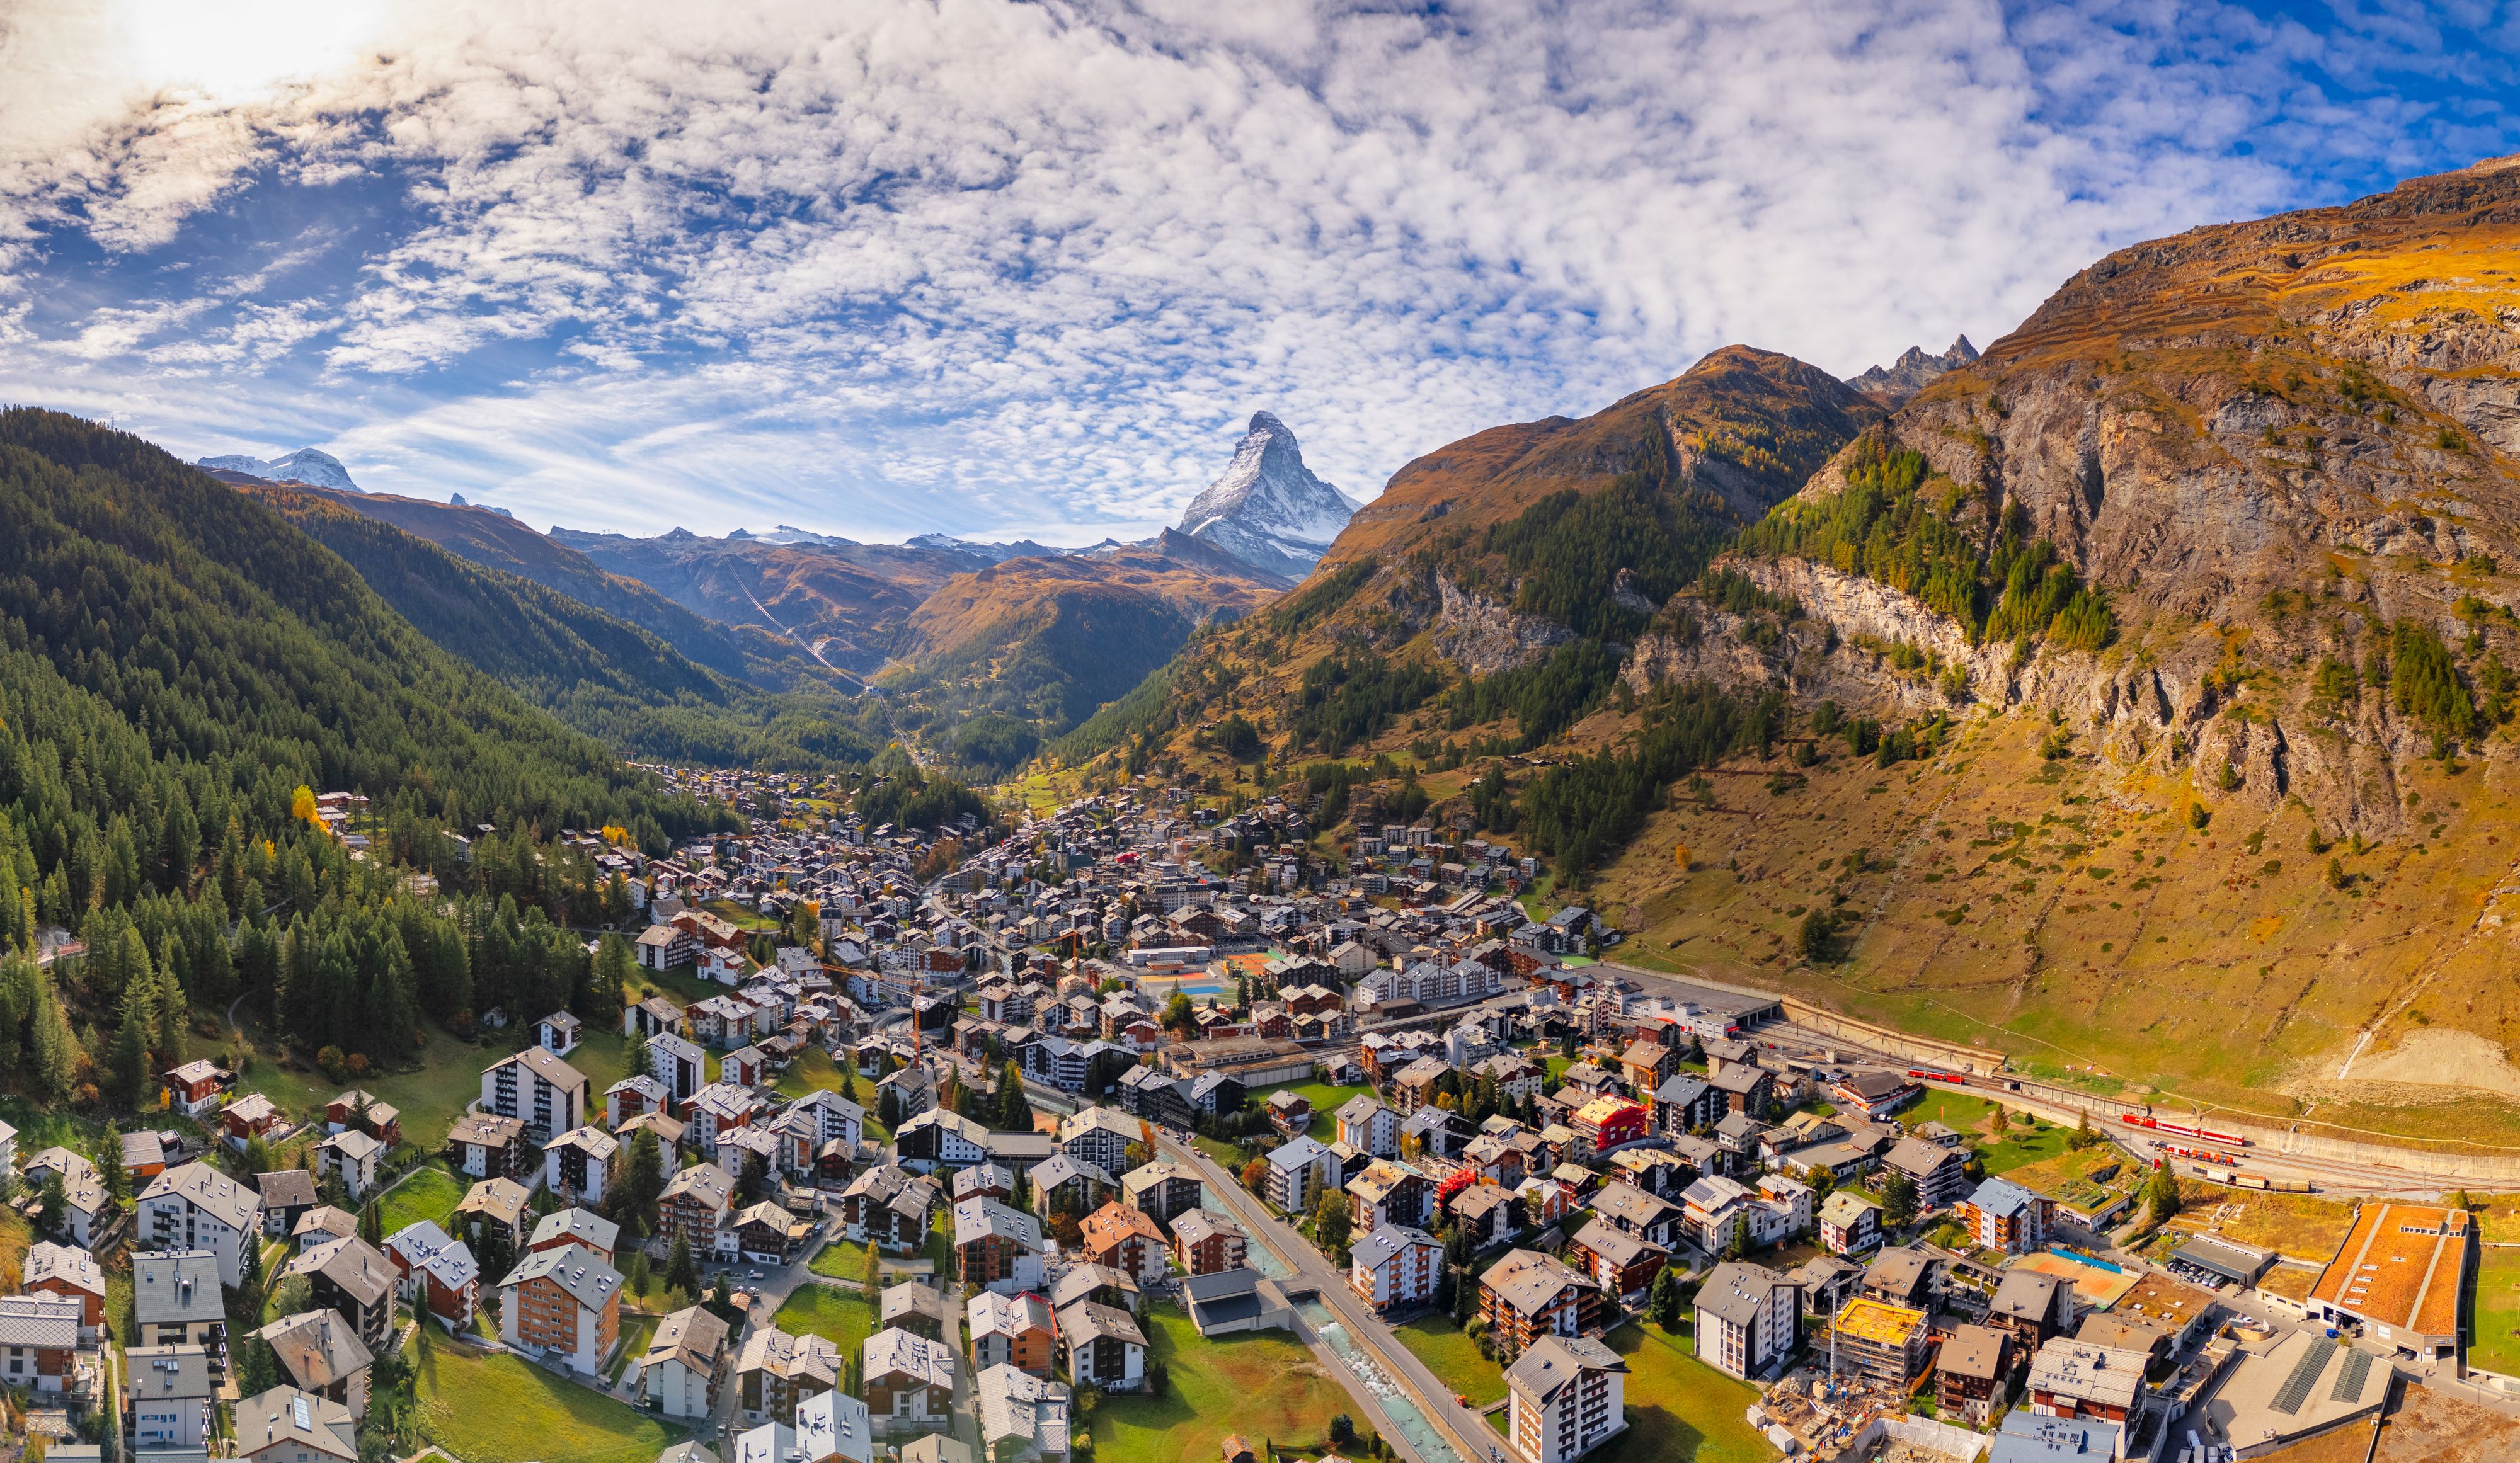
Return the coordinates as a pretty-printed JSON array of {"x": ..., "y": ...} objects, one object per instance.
[
  {"x": 301, "y": 807},
  {"x": 1680, "y": 856}
]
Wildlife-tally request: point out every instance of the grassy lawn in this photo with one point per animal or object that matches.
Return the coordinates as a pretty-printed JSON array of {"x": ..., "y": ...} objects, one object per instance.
[
  {"x": 498, "y": 1409},
  {"x": 1326, "y": 1100},
  {"x": 2497, "y": 1346},
  {"x": 1454, "y": 1358},
  {"x": 846, "y": 1317},
  {"x": 1683, "y": 1409},
  {"x": 842, "y": 1259},
  {"x": 430, "y": 1193},
  {"x": 2021, "y": 1146},
  {"x": 1261, "y": 1385},
  {"x": 1955, "y": 1110},
  {"x": 635, "y": 1332}
]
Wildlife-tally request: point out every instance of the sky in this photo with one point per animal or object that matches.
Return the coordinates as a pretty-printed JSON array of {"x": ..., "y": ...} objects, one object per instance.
[{"x": 1008, "y": 270}]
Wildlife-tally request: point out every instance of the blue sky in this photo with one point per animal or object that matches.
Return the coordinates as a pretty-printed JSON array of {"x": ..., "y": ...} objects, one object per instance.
[{"x": 1025, "y": 269}]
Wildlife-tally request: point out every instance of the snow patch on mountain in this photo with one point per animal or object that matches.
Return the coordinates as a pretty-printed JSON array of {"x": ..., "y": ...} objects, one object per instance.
[
  {"x": 1268, "y": 509},
  {"x": 306, "y": 465}
]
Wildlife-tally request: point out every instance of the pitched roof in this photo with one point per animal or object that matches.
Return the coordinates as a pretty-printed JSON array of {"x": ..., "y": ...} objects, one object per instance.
[
  {"x": 587, "y": 1280},
  {"x": 897, "y": 1352},
  {"x": 316, "y": 1348},
  {"x": 211, "y": 1192},
  {"x": 1552, "y": 1361},
  {"x": 1085, "y": 1322},
  {"x": 285, "y": 1188},
  {"x": 1527, "y": 1280},
  {"x": 351, "y": 1263},
  {"x": 285, "y": 1417},
  {"x": 833, "y": 1424},
  {"x": 692, "y": 1336},
  {"x": 1734, "y": 1291},
  {"x": 1386, "y": 1242},
  {"x": 583, "y": 1225}
]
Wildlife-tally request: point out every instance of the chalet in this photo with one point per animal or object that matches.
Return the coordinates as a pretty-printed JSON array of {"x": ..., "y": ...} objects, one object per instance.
[
  {"x": 1849, "y": 1222},
  {"x": 1205, "y": 1242},
  {"x": 350, "y": 1156},
  {"x": 1395, "y": 1266},
  {"x": 1105, "y": 1349},
  {"x": 350, "y": 1276},
  {"x": 995, "y": 1247},
  {"x": 195, "y": 1088},
  {"x": 1683, "y": 1103},
  {"x": 575, "y": 1163},
  {"x": 1387, "y": 1192},
  {"x": 1632, "y": 1210},
  {"x": 632, "y": 1096},
  {"x": 1123, "y": 1239},
  {"x": 1969, "y": 1373},
  {"x": 1489, "y": 1213},
  {"x": 1160, "y": 1190},
  {"x": 1370, "y": 1126},
  {"x": 914, "y": 1305},
  {"x": 355, "y": 1109},
  {"x": 144, "y": 1154},
  {"x": 1289, "y": 1112},
  {"x": 776, "y": 1373},
  {"x": 1875, "y": 1094},
  {"x": 1013, "y": 1330},
  {"x": 252, "y": 1116},
  {"x": 584, "y": 1228},
  {"x": 499, "y": 1202},
  {"x": 1646, "y": 1065},
  {"x": 436, "y": 1273},
  {"x": 70, "y": 1273},
  {"x": 908, "y": 1381},
  {"x": 559, "y": 1033},
  {"x": 684, "y": 1364},
  {"x": 40, "y": 1335},
  {"x": 698, "y": 1207},
  {"x": 1526, "y": 1295},
  {"x": 1940, "y": 1174},
  {"x": 287, "y": 1194},
  {"x": 483, "y": 1146},
  {"x": 1062, "y": 1183},
  {"x": 890, "y": 1207},
  {"x": 1745, "y": 1089},
  {"x": 1623, "y": 1264},
  {"x": 320, "y": 1356}
]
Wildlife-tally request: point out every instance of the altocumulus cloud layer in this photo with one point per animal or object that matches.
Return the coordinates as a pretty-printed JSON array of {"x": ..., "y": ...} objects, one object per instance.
[{"x": 896, "y": 265}]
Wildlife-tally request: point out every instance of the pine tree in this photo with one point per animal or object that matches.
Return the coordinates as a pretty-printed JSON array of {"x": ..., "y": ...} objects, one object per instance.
[
  {"x": 1898, "y": 1200},
  {"x": 681, "y": 1273},
  {"x": 1662, "y": 1305},
  {"x": 1014, "y": 1110}
]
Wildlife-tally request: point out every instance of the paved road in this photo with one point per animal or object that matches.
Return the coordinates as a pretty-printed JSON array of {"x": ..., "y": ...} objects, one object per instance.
[
  {"x": 777, "y": 1283},
  {"x": 1472, "y": 1438}
]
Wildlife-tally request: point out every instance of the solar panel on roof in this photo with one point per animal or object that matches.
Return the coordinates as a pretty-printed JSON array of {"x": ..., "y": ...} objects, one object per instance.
[
  {"x": 2350, "y": 1377},
  {"x": 301, "y": 1414},
  {"x": 2305, "y": 1375}
]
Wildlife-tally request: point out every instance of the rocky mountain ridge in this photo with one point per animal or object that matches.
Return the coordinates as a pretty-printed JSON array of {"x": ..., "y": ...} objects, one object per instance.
[{"x": 1908, "y": 374}]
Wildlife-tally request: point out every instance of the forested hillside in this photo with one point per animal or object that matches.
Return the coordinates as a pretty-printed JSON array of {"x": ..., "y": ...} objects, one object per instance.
[
  {"x": 602, "y": 674},
  {"x": 180, "y": 671}
]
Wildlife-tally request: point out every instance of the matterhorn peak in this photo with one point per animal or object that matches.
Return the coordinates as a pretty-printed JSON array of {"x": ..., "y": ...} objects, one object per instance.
[{"x": 1267, "y": 509}]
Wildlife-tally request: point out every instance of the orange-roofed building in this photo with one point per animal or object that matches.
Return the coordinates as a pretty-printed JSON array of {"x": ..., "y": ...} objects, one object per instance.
[{"x": 2399, "y": 1273}]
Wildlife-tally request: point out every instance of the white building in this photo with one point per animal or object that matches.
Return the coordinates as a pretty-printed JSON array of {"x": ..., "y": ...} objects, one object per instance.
[
  {"x": 1564, "y": 1396},
  {"x": 195, "y": 1206},
  {"x": 1749, "y": 1318},
  {"x": 1298, "y": 1173}
]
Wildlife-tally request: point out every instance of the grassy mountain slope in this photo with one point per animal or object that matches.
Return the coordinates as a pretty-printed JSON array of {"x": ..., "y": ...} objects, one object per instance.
[
  {"x": 158, "y": 622},
  {"x": 1047, "y": 640},
  {"x": 603, "y": 675},
  {"x": 496, "y": 541}
]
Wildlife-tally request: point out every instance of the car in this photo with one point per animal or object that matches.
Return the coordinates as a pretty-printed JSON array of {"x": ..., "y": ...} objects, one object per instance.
[{"x": 753, "y": 1275}]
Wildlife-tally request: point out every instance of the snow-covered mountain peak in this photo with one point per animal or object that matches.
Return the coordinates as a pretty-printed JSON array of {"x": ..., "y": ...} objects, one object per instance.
[
  {"x": 1267, "y": 509},
  {"x": 306, "y": 465}
]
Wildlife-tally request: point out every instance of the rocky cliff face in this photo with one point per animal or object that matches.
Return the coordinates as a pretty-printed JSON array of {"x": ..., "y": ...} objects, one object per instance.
[{"x": 2283, "y": 449}]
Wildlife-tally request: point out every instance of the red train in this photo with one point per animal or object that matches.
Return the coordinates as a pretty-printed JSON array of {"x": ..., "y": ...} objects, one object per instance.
[
  {"x": 2201, "y": 1155},
  {"x": 1954, "y": 1078},
  {"x": 2139, "y": 1119}
]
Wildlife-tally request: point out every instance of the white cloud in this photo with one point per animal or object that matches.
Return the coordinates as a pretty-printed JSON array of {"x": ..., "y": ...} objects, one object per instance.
[{"x": 1023, "y": 268}]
